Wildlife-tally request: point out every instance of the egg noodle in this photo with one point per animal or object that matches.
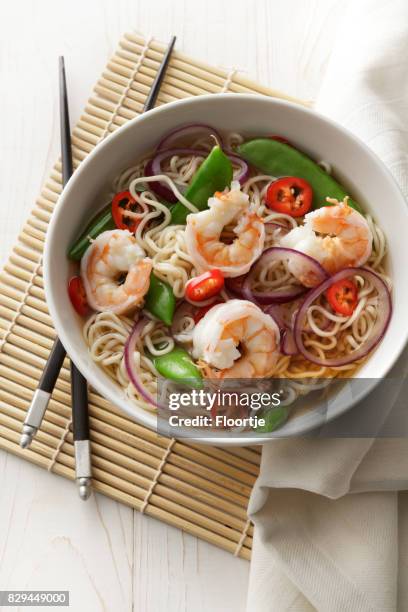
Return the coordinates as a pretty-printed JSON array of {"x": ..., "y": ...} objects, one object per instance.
[{"x": 326, "y": 333}]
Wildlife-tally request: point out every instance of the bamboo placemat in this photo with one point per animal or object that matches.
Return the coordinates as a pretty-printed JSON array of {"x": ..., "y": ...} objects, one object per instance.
[{"x": 200, "y": 489}]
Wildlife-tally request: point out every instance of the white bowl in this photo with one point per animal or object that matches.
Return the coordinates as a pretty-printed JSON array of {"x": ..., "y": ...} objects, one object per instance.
[{"x": 355, "y": 165}]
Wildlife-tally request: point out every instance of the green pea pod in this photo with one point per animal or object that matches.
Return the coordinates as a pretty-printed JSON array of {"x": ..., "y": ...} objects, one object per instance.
[
  {"x": 214, "y": 174},
  {"x": 102, "y": 222},
  {"x": 160, "y": 300},
  {"x": 178, "y": 365},
  {"x": 279, "y": 159},
  {"x": 273, "y": 419}
]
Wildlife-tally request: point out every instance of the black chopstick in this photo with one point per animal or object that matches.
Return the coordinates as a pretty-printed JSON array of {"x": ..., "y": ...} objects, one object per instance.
[
  {"x": 55, "y": 360},
  {"x": 65, "y": 129},
  {"x": 154, "y": 92},
  {"x": 52, "y": 368},
  {"x": 42, "y": 394},
  {"x": 79, "y": 388}
]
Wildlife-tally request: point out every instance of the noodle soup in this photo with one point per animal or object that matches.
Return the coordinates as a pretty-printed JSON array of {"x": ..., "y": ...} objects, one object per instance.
[{"x": 219, "y": 258}]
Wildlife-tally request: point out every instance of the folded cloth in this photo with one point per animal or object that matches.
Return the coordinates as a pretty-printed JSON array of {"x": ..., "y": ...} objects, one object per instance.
[{"x": 330, "y": 515}]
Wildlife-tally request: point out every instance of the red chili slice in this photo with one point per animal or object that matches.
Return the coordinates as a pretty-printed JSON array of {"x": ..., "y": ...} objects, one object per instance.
[
  {"x": 121, "y": 203},
  {"x": 198, "y": 315},
  {"x": 205, "y": 286},
  {"x": 290, "y": 195},
  {"x": 343, "y": 297},
  {"x": 77, "y": 295}
]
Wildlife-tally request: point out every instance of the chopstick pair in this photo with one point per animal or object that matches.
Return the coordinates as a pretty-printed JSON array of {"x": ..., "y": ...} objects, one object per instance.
[
  {"x": 42, "y": 395},
  {"x": 54, "y": 363}
]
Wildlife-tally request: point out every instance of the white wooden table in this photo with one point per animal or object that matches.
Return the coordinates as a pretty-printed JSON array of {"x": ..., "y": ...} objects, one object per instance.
[{"x": 110, "y": 557}]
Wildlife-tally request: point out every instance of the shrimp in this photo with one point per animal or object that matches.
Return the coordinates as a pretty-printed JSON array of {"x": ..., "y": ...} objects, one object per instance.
[
  {"x": 238, "y": 339},
  {"x": 204, "y": 234},
  {"x": 346, "y": 241},
  {"x": 115, "y": 272}
]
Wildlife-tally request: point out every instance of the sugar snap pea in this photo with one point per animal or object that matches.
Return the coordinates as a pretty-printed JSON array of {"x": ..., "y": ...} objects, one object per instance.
[
  {"x": 177, "y": 365},
  {"x": 160, "y": 300},
  {"x": 101, "y": 222},
  {"x": 279, "y": 159},
  {"x": 214, "y": 174},
  {"x": 273, "y": 419}
]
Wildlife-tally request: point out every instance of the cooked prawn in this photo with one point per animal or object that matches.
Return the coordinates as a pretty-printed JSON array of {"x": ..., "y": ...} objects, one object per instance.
[
  {"x": 115, "y": 272},
  {"x": 237, "y": 339},
  {"x": 337, "y": 236},
  {"x": 204, "y": 234}
]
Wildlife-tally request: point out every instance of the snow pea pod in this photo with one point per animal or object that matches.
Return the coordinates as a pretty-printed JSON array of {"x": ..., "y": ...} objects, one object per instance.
[
  {"x": 214, "y": 174},
  {"x": 102, "y": 222},
  {"x": 160, "y": 300},
  {"x": 273, "y": 419},
  {"x": 178, "y": 365},
  {"x": 279, "y": 159}
]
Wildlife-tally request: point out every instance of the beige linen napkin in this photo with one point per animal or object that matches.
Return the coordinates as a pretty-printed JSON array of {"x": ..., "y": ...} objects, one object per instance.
[{"x": 331, "y": 522}]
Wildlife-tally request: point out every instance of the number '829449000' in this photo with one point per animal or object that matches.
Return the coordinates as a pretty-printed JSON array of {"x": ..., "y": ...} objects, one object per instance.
[{"x": 34, "y": 598}]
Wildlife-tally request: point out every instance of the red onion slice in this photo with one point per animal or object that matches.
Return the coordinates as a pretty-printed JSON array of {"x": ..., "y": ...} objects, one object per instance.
[
  {"x": 281, "y": 296},
  {"x": 153, "y": 168},
  {"x": 288, "y": 344},
  {"x": 129, "y": 361},
  {"x": 243, "y": 173},
  {"x": 379, "y": 328},
  {"x": 158, "y": 188},
  {"x": 235, "y": 284},
  {"x": 187, "y": 131},
  {"x": 283, "y": 315}
]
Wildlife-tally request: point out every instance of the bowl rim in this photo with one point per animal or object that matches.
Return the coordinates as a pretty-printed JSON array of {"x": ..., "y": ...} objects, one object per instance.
[{"x": 145, "y": 417}]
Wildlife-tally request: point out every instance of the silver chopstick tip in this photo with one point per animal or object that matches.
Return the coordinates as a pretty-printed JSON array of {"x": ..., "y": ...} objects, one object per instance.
[
  {"x": 84, "y": 488},
  {"x": 27, "y": 436},
  {"x": 25, "y": 440}
]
